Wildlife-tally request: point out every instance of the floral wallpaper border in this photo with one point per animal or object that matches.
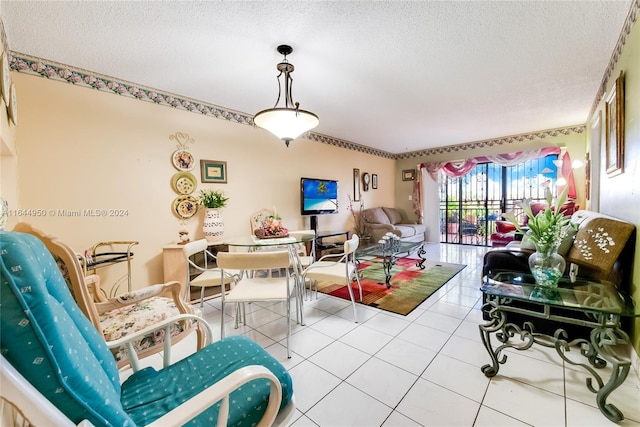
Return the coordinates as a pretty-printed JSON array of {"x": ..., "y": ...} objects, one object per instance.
[
  {"x": 51, "y": 70},
  {"x": 622, "y": 39},
  {"x": 55, "y": 71}
]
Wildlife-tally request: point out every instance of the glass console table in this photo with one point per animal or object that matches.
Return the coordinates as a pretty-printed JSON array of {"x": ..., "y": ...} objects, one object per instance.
[
  {"x": 597, "y": 306},
  {"x": 389, "y": 253}
]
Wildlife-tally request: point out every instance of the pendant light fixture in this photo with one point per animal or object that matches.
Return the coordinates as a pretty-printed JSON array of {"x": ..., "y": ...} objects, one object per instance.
[{"x": 289, "y": 121}]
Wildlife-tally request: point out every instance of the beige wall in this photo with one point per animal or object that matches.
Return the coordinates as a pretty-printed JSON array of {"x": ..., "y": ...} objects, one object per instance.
[
  {"x": 620, "y": 195},
  {"x": 84, "y": 149},
  {"x": 8, "y": 159}
]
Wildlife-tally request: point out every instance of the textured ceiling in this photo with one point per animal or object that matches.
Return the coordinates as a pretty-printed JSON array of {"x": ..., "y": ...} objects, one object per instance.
[{"x": 398, "y": 76}]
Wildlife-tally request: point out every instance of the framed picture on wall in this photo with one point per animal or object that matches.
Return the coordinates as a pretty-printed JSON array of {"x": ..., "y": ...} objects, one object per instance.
[
  {"x": 409, "y": 175},
  {"x": 213, "y": 171},
  {"x": 614, "y": 134},
  {"x": 374, "y": 181},
  {"x": 356, "y": 185}
]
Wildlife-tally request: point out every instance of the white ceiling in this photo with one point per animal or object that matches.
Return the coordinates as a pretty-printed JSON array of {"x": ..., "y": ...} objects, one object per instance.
[{"x": 398, "y": 76}]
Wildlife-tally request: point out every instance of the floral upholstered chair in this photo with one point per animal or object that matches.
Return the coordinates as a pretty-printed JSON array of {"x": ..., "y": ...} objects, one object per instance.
[{"x": 120, "y": 316}]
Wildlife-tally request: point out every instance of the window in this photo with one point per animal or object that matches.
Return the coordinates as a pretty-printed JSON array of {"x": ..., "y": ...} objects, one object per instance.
[{"x": 470, "y": 204}]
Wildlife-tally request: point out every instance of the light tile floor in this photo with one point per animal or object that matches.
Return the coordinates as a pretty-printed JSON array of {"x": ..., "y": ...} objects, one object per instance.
[{"x": 422, "y": 369}]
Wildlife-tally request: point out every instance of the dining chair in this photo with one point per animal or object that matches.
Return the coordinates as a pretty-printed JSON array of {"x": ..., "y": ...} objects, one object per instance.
[
  {"x": 209, "y": 276},
  {"x": 125, "y": 314},
  {"x": 343, "y": 268},
  {"x": 305, "y": 255},
  {"x": 255, "y": 287}
]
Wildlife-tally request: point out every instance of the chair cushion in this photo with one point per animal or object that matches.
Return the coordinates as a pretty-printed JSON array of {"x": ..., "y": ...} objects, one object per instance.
[
  {"x": 329, "y": 271},
  {"x": 407, "y": 230},
  {"x": 126, "y": 320},
  {"x": 46, "y": 337},
  {"x": 149, "y": 394}
]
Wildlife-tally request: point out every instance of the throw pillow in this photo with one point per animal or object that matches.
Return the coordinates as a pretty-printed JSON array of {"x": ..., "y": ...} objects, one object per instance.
[
  {"x": 567, "y": 240},
  {"x": 504, "y": 227},
  {"x": 394, "y": 215},
  {"x": 527, "y": 243},
  {"x": 599, "y": 242},
  {"x": 563, "y": 248},
  {"x": 376, "y": 216}
]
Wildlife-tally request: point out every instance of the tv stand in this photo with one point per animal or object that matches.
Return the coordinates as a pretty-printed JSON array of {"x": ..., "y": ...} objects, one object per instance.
[
  {"x": 314, "y": 223},
  {"x": 333, "y": 245}
]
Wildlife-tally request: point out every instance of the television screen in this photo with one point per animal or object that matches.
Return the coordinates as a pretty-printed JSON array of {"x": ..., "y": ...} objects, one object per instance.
[{"x": 318, "y": 196}]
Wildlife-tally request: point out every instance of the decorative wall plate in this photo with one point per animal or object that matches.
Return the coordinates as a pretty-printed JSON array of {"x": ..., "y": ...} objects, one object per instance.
[
  {"x": 5, "y": 79},
  {"x": 183, "y": 160},
  {"x": 13, "y": 105},
  {"x": 184, "y": 182},
  {"x": 184, "y": 207}
]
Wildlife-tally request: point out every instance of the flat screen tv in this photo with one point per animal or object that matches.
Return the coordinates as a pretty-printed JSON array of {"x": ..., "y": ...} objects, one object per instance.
[{"x": 318, "y": 196}]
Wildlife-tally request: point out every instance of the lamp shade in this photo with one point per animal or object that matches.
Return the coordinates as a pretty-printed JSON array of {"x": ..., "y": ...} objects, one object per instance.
[{"x": 286, "y": 123}]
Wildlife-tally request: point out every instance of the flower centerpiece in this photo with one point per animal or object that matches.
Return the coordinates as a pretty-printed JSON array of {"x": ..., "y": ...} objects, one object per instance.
[
  {"x": 272, "y": 227},
  {"x": 546, "y": 230}
]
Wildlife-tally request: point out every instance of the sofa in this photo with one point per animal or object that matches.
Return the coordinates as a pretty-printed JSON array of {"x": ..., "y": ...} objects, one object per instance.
[
  {"x": 602, "y": 250},
  {"x": 381, "y": 220}
]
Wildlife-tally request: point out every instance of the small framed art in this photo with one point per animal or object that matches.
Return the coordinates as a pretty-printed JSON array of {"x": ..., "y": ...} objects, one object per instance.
[
  {"x": 374, "y": 181},
  {"x": 213, "y": 171},
  {"x": 356, "y": 185},
  {"x": 409, "y": 175},
  {"x": 614, "y": 134}
]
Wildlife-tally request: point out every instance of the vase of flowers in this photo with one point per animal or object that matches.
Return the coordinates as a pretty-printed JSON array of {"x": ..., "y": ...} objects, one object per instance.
[
  {"x": 213, "y": 227},
  {"x": 546, "y": 230}
]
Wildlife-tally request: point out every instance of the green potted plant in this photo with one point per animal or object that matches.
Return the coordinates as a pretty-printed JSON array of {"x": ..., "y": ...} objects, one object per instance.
[
  {"x": 213, "y": 199},
  {"x": 213, "y": 227}
]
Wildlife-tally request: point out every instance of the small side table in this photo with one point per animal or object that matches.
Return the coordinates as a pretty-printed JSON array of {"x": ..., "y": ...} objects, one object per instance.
[{"x": 597, "y": 306}]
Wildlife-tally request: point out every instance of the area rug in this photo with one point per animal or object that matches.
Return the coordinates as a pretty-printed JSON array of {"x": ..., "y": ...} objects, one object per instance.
[{"x": 410, "y": 285}]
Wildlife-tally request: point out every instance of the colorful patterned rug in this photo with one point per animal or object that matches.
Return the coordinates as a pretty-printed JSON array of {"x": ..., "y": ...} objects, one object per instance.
[{"x": 410, "y": 285}]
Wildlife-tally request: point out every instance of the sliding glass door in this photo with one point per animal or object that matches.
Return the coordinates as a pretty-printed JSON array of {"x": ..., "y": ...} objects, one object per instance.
[{"x": 470, "y": 204}]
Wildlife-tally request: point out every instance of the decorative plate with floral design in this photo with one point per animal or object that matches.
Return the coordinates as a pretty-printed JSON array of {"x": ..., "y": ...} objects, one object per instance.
[
  {"x": 183, "y": 160},
  {"x": 185, "y": 207},
  {"x": 184, "y": 183}
]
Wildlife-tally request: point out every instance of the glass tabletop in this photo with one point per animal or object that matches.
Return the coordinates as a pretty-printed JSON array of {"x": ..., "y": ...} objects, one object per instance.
[
  {"x": 581, "y": 294},
  {"x": 251, "y": 240},
  {"x": 377, "y": 250}
]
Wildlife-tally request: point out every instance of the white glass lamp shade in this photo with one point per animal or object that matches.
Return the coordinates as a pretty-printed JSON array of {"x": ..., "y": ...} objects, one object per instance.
[{"x": 286, "y": 123}]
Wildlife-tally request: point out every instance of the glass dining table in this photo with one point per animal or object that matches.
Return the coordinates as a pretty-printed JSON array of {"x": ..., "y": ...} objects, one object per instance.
[{"x": 290, "y": 243}]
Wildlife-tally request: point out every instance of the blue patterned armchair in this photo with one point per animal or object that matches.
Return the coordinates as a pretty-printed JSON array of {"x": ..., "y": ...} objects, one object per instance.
[{"x": 50, "y": 350}]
